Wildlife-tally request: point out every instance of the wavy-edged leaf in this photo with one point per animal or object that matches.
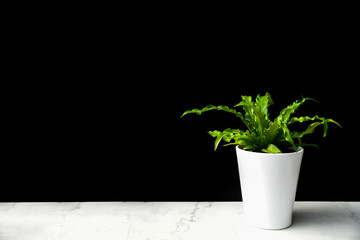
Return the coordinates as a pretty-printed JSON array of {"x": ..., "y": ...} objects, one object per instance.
[
  {"x": 198, "y": 111},
  {"x": 316, "y": 117},
  {"x": 264, "y": 102},
  {"x": 333, "y": 121},
  {"x": 311, "y": 128},
  {"x": 226, "y": 135},
  {"x": 221, "y": 108},
  {"x": 248, "y": 105},
  {"x": 246, "y": 138},
  {"x": 217, "y": 141},
  {"x": 256, "y": 113},
  {"x": 323, "y": 120},
  {"x": 309, "y": 145},
  {"x": 245, "y": 100},
  {"x": 251, "y": 147},
  {"x": 286, "y": 112},
  {"x": 239, "y": 137},
  {"x": 287, "y": 134},
  {"x": 263, "y": 134},
  {"x": 271, "y": 148},
  {"x": 214, "y": 133},
  {"x": 212, "y": 107}
]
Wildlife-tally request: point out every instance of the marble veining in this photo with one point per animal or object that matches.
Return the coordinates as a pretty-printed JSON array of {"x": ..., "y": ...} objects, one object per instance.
[
  {"x": 184, "y": 223},
  {"x": 354, "y": 216},
  {"x": 170, "y": 221}
]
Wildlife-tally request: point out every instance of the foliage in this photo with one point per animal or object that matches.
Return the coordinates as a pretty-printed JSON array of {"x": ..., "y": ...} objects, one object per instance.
[{"x": 262, "y": 134}]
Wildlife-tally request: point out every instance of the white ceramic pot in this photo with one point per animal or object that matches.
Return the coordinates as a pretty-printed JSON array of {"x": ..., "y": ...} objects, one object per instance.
[{"x": 268, "y": 186}]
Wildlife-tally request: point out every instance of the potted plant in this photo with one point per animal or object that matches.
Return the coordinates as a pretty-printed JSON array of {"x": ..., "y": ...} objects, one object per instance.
[{"x": 269, "y": 157}]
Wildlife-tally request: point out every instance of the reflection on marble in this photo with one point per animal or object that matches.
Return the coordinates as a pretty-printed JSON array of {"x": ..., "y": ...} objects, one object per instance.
[{"x": 170, "y": 221}]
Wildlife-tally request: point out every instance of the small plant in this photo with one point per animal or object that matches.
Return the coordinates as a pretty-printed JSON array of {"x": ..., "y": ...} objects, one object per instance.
[{"x": 262, "y": 134}]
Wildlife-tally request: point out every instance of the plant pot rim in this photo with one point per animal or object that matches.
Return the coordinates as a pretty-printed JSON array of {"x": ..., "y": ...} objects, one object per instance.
[{"x": 300, "y": 151}]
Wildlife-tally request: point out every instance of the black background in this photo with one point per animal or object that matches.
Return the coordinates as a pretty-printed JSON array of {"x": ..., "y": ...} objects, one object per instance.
[{"x": 93, "y": 112}]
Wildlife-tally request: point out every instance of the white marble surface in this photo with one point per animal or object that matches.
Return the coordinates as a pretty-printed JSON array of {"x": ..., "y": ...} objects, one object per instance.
[{"x": 170, "y": 221}]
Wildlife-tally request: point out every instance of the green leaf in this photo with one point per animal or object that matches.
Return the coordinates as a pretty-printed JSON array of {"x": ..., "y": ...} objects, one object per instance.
[
  {"x": 198, "y": 112},
  {"x": 263, "y": 134},
  {"x": 217, "y": 141},
  {"x": 271, "y": 149},
  {"x": 287, "y": 136},
  {"x": 245, "y": 100},
  {"x": 226, "y": 135},
  {"x": 214, "y": 133},
  {"x": 316, "y": 117},
  {"x": 309, "y": 145},
  {"x": 251, "y": 147},
  {"x": 332, "y": 121},
  {"x": 212, "y": 107},
  {"x": 272, "y": 132},
  {"x": 286, "y": 112},
  {"x": 256, "y": 114},
  {"x": 239, "y": 137},
  {"x": 264, "y": 102},
  {"x": 311, "y": 128},
  {"x": 221, "y": 108}
]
